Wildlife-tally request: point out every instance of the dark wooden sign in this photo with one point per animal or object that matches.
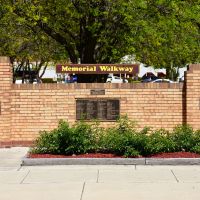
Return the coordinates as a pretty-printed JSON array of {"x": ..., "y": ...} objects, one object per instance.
[
  {"x": 97, "y": 92},
  {"x": 98, "y": 69},
  {"x": 101, "y": 109}
]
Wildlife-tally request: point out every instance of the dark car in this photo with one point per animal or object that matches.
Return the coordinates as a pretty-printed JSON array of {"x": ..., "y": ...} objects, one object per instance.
[
  {"x": 146, "y": 80},
  {"x": 148, "y": 77}
]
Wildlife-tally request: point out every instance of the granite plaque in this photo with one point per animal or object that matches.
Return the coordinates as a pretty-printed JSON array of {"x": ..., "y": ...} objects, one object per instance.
[
  {"x": 97, "y": 92},
  {"x": 101, "y": 109}
]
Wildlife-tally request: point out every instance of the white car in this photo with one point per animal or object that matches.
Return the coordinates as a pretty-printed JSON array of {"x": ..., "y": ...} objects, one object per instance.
[
  {"x": 19, "y": 81},
  {"x": 162, "y": 81},
  {"x": 115, "y": 79}
]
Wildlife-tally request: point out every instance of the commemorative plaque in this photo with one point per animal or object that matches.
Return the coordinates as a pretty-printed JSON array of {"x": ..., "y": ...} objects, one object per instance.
[
  {"x": 101, "y": 109},
  {"x": 97, "y": 92}
]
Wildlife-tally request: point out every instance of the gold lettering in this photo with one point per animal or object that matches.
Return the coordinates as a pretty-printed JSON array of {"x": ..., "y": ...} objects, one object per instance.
[
  {"x": 74, "y": 69},
  {"x": 65, "y": 68},
  {"x": 103, "y": 68},
  {"x": 115, "y": 69},
  {"x": 130, "y": 69},
  {"x": 121, "y": 69}
]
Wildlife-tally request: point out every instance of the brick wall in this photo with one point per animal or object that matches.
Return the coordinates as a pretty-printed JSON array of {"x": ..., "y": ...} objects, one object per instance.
[
  {"x": 27, "y": 109},
  {"x": 193, "y": 96},
  {"x": 5, "y": 99},
  {"x": 40, "y": 107}
]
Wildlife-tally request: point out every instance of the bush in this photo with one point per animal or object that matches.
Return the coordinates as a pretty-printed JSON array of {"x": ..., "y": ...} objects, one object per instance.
[
  {"x": 48, "y": 80},
  {"x": 82, "y": 139},
  {"x": 184, "y": 138},
  {"x": 123, "y": 139},
  {"x": 196, "y": 148},
  {"x": 54, "y": 141},
  {"x": 122, "y": 144},
  {"x": 125, "y": 125},
  {"x": 65, "y": 140},
  {"x": 46, "y": 143},
  {"x": 159, "y": 141}
]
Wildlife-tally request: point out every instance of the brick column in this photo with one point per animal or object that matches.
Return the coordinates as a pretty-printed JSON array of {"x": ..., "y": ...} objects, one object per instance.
[
  {"x": 193, "y": 96},
  {"x": 5, "y": 101}
]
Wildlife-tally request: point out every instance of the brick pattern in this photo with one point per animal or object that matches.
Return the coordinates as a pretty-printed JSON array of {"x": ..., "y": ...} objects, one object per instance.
[
  {"x": 193, "y": 96},
  {"x": 5, "y": 91},
  {"x": 40, "y": 107},
  {"x": 27, "y": 109}
]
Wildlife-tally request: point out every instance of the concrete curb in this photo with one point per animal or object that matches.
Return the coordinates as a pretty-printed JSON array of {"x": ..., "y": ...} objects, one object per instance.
[
  {"x": 109, "y": 161},
  {"x": 172, "y": 161}
]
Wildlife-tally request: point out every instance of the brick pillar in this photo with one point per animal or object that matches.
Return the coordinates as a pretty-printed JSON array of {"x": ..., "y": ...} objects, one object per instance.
[
  {"x": 5, "y": 101},
  {"x": 193, "y": 96}
]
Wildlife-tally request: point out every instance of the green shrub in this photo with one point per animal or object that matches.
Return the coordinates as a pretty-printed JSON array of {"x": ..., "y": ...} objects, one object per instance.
[
  {"x": 46, "y": 143},
  {"x": 146, "y": 130},
  {"x": 122, "y": 144},
  {"x": 159, "y": 141},
  {"x": 125, "y": 125},
  {"x": 48, "y": 80},
  {"x": 65, "y": 140},
  {"x": 196, "y": 147},
  {"x": 123, "y": 139},
  {"x": 54, "y": 141},
  {"x": 197, "y": 136},
  {"x": 82, "y": 139},
  {"x": 184, "y": 138}
]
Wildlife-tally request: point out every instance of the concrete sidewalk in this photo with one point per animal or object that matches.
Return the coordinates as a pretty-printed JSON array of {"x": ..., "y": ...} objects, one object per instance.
[
  {"x": 11, "y": 158},
  {"x": 95, "y": 182}
]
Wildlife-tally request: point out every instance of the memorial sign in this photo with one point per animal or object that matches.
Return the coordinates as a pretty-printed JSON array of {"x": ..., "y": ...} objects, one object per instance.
[
  {"x": 98, "y": 69},
  {"x": 97, "y": 92}
]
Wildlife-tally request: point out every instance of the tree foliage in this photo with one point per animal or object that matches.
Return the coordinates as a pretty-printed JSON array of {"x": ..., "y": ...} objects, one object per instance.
[
  {"x": 171, "y": 35},
  {"x": 28, "y": 48},
  {"x": 159, "y": 32}
]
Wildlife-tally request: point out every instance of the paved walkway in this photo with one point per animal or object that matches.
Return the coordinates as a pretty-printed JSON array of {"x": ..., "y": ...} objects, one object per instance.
[{"x": 95, "y": 182}]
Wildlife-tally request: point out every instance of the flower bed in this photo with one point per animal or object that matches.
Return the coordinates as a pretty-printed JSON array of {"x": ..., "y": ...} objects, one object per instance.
[
  {"x": 100, "y": 155},
  {"x": 124, "y": 140}
]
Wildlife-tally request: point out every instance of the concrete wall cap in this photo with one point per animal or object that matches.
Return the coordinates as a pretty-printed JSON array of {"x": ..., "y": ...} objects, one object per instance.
[{"x": 4, "y": 59}]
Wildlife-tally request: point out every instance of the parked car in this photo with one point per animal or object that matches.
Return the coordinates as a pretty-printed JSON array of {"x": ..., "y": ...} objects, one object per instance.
[
  {"x": 162, "y": 81},
  {"x": 35, "y": 81},
  {"x": 146, "y": 80},
  {"x": 148, "y": 77},
  {"x": 115, "y": 79}
]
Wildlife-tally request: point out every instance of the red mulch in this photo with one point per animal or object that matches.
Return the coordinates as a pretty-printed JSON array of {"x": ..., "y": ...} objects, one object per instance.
[
  {"x": 90, "y": 155},
  {"x": 100, "y": 155},
  {"x": 176, "y": 155}
]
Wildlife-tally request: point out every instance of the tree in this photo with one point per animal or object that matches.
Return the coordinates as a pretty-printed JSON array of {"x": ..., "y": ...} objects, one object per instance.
[
  {"x": 158, "y": 32},
  {"x": 92, "y": 30},
  {"x": 29, "y": 49},
  {"x": 171, "y": 38}
]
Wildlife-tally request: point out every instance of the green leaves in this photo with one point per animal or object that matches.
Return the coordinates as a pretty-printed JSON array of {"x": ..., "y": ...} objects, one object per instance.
[
  {"x": 98, "y": 31},
  {"x": 123, "y": 139}
]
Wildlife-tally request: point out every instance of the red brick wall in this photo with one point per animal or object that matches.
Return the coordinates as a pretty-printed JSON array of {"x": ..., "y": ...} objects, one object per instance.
[{"x": 27, "y": 109}]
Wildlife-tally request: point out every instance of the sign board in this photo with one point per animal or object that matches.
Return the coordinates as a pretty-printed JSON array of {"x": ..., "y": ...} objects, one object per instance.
[
  {"x": 97, "y": 92},
  {"x": 98, "y": 69},
  {"x": 101, "y": 109}
]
